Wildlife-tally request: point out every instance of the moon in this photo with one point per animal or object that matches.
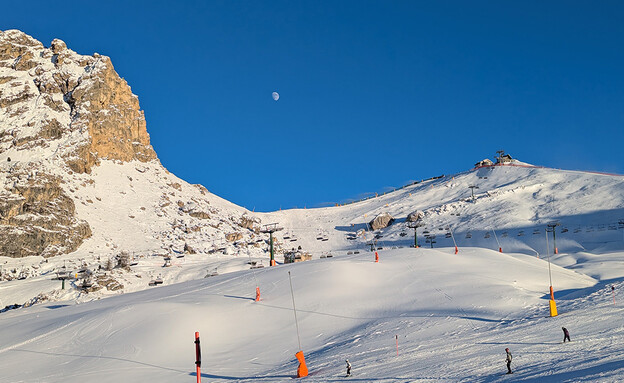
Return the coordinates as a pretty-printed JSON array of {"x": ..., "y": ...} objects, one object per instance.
[{"x": 275, "y": 96}]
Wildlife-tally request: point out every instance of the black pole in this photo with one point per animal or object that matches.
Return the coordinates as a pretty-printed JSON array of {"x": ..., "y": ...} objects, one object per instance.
[
  {"x": 271, "y": 240},
  {"x": 415, "y": 237},
  {"x": 555, "y": 242}
]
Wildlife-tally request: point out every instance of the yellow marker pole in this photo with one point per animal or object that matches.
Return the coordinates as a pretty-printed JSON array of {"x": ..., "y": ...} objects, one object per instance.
[{"x": 551, "y": 303}]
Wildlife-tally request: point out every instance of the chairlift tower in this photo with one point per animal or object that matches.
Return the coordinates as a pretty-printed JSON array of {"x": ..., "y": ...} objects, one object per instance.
[
  {"x": 372, "y": 244},
  {"x": 551, "y": 227},
  {"x": 271, "y": 228},
  {"x": 63, "y": 275},
  {"x": 430, "y": 238},
  {"x": 472, "y": 188},
  {"x": 415, "y": 226}
]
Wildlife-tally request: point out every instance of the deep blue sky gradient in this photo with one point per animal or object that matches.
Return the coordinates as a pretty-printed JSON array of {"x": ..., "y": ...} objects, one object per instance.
[{"x": 373, "y": 94}]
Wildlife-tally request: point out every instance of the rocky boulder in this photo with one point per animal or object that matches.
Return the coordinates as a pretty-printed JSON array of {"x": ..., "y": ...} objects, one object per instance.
[
  {"x": 381, "y": 221},
  {"x": 231, "y": 237},
  {"x": 248, "y": 222},
  {"x": 415, "y": 216}
]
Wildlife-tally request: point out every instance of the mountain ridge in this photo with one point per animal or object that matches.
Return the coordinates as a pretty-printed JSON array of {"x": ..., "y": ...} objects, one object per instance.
[{"x": 88, "y": 191}]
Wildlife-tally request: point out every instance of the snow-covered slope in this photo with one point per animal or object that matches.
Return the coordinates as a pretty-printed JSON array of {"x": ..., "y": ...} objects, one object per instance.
[
  {"x": 509, "y": 206},
  {"x": 451, "y": 315},
  {"x": 148, "y": 213}
]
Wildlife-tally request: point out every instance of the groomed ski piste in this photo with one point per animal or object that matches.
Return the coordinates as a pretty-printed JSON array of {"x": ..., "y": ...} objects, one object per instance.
[{"x": 418, "y": 315}]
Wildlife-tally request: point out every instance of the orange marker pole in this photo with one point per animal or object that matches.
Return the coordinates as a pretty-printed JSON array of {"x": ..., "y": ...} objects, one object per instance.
[
  {"x": 302, "y": 370},
  {"x": 397, "y": 344},
  {"x": 257, "y": 294},
  {"x": 198, "y": 357},
  {"x": 454, "y": 242},
  {"x": 376, "y": 257}
]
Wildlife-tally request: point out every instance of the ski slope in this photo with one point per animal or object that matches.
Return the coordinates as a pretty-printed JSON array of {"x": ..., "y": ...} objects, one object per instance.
[{"x": 453, "y": 316}]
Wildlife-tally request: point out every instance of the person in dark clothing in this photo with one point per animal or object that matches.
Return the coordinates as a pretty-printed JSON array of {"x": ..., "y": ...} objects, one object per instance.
[
  {"x": 566, "y": 334},
  {"x": 508, "y": 361},
  {"x": 348, "y": 368}
]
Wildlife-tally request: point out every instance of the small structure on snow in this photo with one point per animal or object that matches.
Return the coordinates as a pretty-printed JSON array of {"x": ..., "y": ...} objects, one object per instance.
[
  {"x": 504, "y": 159},
  {"x": 485, "y": 162},
  {"x": 294, "y": 256}
]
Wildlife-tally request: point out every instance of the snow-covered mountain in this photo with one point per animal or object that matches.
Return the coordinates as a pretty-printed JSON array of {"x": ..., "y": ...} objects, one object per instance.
[
  {"x": 82, "y": 189},
  {"x": 78, "y": 176},
  {"x": 83, "y": 196}
]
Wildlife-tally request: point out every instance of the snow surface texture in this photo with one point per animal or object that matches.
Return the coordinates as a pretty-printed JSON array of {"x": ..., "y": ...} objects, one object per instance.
[{"x": 452, "y": 314}]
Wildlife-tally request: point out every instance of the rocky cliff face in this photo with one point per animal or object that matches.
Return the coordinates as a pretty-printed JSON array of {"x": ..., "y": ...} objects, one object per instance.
[
  {"x": 60, "y": 113},
  {"x": 38, "y": 218},
  {"x": 77, "y": 105},
  {"x": 78, "y": 173}
]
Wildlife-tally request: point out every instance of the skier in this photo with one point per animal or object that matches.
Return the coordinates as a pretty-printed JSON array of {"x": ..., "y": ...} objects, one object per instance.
[
  {"x": 508, "y": 361},
  {"x": 566, "y": 334},
  {"x": 348, "y": 368}
]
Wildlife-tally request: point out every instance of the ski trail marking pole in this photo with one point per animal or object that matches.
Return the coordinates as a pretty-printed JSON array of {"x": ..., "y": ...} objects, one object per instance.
[
  {"x": 294, "y": 309},
  {"x": 198, "y": 357},
  {"x": 397, "y": 344},
  {"x": 500, "y": 249},
  {"x": 302, "y": 370},
  {"x": 452, "y": 236},
  {"x": 253, "y": 272}
]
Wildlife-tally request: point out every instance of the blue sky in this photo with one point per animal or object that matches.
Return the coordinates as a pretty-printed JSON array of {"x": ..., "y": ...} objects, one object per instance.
[{"x": 373, "y": 94}]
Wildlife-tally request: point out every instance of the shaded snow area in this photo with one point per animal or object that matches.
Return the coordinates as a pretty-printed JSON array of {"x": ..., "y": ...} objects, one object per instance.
[{"x": 451, "y": 314}]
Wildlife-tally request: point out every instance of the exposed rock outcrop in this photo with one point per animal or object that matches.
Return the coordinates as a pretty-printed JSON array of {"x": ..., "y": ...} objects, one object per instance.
[
  {"x": 231, "y": 237},
  {"x": 72, "y": 111},
  {"x": 38, "y": 218},
  {"x": 415, "y": 216},
  {"x": 67, "y": 94},
  {"x": 381, "y": 221}
]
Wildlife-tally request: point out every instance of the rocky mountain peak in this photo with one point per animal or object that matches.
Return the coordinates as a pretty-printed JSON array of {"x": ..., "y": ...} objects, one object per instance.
[
  {"x": 74, "y": 108},
  {"x": 78, "y": 175},
  {"x": 60, "y": 113}
]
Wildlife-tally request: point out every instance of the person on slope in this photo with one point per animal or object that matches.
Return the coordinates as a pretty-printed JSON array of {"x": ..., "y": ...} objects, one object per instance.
[
  {"x": 508, "y": 361},
  {"x": 566, "y": 334},
  {"x": 348, "y": 368}
]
